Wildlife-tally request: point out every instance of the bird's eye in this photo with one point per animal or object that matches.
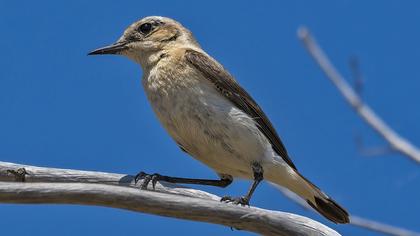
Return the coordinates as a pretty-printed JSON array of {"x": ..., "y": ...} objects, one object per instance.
[{"x": 145, "y": 28}]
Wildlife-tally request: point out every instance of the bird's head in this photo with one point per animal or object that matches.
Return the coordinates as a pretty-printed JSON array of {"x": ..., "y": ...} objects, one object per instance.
[{"x": 148, "y": 38}]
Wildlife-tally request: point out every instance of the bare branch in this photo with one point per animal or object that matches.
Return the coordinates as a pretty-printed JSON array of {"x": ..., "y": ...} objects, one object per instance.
[
  {"x": 52, "y": 175},
  {"x": 381, "y": 227},
  {"x": 355, "y": 220},
  {"x": 64, "y": 186},
  {"x": 397, "y": 142}
]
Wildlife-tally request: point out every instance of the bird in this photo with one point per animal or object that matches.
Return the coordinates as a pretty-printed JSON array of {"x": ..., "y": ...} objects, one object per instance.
[{"x": 210, "y": 116}]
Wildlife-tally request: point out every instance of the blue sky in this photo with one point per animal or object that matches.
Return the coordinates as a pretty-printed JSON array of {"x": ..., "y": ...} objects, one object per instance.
[{"x": 61, "y": 108}]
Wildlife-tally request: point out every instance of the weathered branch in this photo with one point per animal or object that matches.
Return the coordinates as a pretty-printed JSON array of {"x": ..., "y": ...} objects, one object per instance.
[
  {"x": 54, "y": 175},
  {"x": 51, "y": 185},
  {"x": 396, "y": 142}
]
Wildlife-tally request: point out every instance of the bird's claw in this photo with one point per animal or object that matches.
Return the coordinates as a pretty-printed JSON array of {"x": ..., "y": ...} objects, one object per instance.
[
  {"x": 243, "y": 201},
  {"x": 147, "y": 178}
]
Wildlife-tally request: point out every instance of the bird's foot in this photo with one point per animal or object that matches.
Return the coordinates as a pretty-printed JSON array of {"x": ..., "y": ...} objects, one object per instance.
[
  {"x": 243, "y": 201},
  {"x": 147, "y": 178}
]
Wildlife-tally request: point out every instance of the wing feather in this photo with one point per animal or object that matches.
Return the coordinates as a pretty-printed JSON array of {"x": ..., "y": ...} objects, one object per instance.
[{"x": 228, "y": 87}]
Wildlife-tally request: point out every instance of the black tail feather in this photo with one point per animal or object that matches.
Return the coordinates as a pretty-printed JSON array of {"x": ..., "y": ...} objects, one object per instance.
[
  {"x": 331, "y": 210},
  {"x": 326, "y": 206}
]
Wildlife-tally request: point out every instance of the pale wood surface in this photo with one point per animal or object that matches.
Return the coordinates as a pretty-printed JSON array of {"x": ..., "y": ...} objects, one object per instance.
[{"x": 52, "y": 185}]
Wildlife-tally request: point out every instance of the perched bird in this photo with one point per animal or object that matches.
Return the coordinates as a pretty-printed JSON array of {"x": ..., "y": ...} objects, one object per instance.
[{"x": 209, "y": 115}]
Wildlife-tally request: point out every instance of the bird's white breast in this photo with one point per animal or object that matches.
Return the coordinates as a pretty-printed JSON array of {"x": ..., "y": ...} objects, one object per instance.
[{"x": 206, "y": 124}]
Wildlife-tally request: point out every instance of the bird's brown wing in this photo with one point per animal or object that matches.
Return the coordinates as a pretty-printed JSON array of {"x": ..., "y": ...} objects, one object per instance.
[{"x": 228, "y": 87}]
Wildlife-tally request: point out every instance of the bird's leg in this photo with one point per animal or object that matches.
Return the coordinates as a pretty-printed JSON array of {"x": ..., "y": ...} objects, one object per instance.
[
  {"x": 154, "y": 178},
  {"x": 258, "y": 177}
]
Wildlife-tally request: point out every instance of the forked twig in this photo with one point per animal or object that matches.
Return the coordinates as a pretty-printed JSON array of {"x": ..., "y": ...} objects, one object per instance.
[{"x": 396, "y": 142}]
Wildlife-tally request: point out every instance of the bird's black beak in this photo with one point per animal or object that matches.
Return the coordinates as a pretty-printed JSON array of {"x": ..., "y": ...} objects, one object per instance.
[{"x": 115, "y": 48}]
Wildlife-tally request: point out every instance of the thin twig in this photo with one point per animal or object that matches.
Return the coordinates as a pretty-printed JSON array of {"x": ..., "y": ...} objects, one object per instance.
[
  {"x": 381, "y": 227},
  {"x": 397, "y": 142},
  {"x": 64, "y": 186},
  {"x": 354, "y": 220}
]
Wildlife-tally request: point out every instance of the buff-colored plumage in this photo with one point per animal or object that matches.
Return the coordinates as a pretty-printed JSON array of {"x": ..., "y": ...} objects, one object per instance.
[{"x": 207, "y": 112}]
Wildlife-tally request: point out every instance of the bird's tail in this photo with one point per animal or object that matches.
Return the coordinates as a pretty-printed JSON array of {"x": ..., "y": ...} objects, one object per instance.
[{"x": 318, "y": 200}]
